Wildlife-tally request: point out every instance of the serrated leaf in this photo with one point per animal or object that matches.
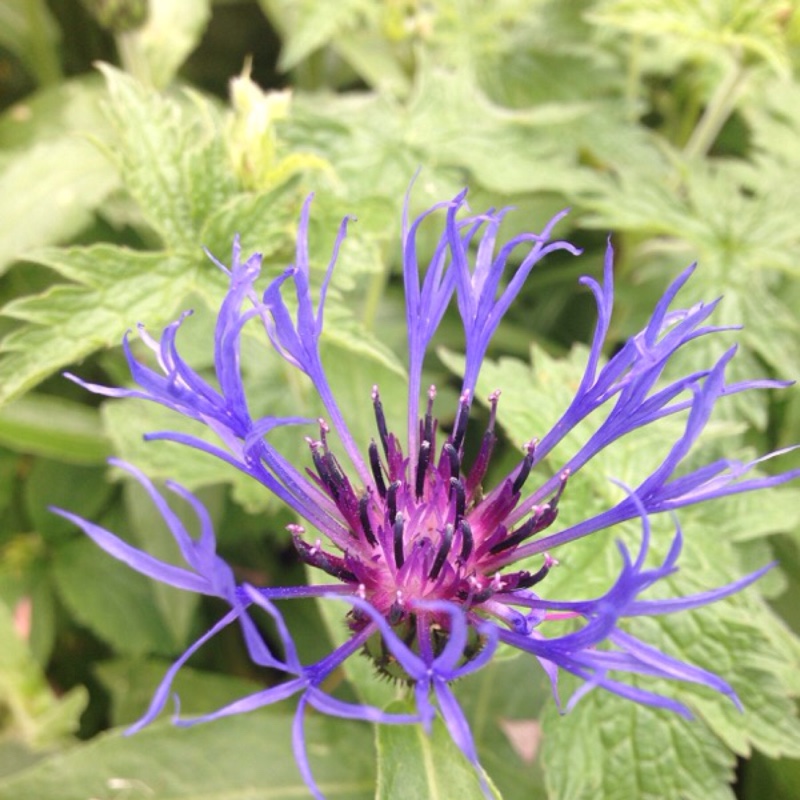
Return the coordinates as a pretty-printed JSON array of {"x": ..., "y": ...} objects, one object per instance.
[
  {"x": 414, "y": 764},
  {"x": 172, "y": 157},
  {"x": 611, "y": 748},
  {"x": 119, "y": 287},
  {"x": 244, "y": 757}
]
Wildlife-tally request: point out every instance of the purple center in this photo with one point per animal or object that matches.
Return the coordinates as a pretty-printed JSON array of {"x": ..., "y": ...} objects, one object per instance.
[{"x": 423, "y": 530}]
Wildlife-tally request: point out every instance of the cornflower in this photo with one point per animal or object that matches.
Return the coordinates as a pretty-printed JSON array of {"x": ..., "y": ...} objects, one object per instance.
[{"x": 433, "y": 571}]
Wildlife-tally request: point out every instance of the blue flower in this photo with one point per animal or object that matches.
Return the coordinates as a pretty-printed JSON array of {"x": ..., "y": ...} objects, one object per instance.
[{"x": 425, "y": 562}]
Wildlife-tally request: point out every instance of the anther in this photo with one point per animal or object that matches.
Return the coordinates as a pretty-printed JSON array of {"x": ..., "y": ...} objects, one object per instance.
[
  {"x": 543, "y": 517},
  {"x": 397, "y": 533},
  {"x": 452, "y": 457},
  {"x": 441, "y": 555},
  {"x": 380, "y": 420},
  {"x": 422, "y": 467},
  {"x": 391, "y": 500},
  {"x": 457, "y": 489},
  {"x": 375, "y": 466},
  {"x": 363, "y": 515},
  {"x": 527, "y": 579},
  {"x": 427, "y": 428},
  {"x": 467, "y": 540},
  {"x": 316, "y": 557},
  {"x": 525, "y": 467}
]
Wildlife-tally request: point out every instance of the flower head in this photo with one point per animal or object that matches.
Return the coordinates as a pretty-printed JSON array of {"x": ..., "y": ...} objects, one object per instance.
[{"x": 434, "y": 570}]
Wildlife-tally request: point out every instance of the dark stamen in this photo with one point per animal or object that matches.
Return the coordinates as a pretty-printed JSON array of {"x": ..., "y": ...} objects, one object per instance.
[
  {"x": 427, "y": 428},
  {"x": 452, "y": 456},
  {"x": 467, "y": 540},
  {"x": 526, "y": 580},
  {"x": 397, "y": 533},
  {"x": 542, "y": 519},
  {"x": 316, "y": 557},
  {"x": 380, "y": 420},
  {"x": 457, "y": 488},
  {"x": 481, "y": 463},
  {"x": 525, "y": 468},
  {"x": 375, "y": 466},
  {"x": 363, "y": 515},
  {"x": 441, "y": 555},
  {"x": 327, "y": 470},
  {"x": 391, "y": 500},
  {"x": 422, "y": 467}
]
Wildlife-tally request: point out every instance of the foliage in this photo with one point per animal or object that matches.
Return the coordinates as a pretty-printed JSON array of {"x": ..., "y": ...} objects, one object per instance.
[{"x": 672, "y": 125}]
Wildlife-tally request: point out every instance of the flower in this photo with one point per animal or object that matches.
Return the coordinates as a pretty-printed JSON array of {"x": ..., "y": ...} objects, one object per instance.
[{"x": 426, "y": 563}]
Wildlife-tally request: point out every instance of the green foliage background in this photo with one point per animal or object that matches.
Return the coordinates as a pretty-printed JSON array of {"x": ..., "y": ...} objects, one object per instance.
[{"x": 132, "y": 137}]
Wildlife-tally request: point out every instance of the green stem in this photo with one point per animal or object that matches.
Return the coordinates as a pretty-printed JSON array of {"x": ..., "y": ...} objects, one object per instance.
[
  {"x": 719, "y": 108},
  {"x": 633, "y": 77},
  {"x": 43, "y": 60}
]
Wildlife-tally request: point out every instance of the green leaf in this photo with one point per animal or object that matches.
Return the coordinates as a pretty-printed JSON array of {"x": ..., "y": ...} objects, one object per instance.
[
  {"x": 244, "y": 757},
  {"x": 131, "y": 683},
  {"x": 55, "y": 178},
  {"x": 414, "y": 764},
  {"x": 54, "y": 428},
  {"x": 505, "y": 721},
  {"x": 124, "y": 615},
  {"x": 311, "y": 24}
]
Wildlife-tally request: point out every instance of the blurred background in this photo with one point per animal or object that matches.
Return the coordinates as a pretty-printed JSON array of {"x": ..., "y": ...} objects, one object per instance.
[{"x": 133, "y": 134}]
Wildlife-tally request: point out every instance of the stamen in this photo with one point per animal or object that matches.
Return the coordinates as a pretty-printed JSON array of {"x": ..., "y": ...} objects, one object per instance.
[
  {"x": 457, "y": 488},
  {"x": 527, "y": 580},
  {"x": 427, "y": 431},
  {"x": 481, "y": 463},
  {"x": 397, "y": 532},
  {"x": 391, "y": 500},
  {"x": 363, "y": 515},
  {"x": 380, "y": 420},
  {"x": 451, "y": 454},
  {"x": 543, "y": 517},
  {"x": 525, "y": 467},
  {"x": 324, "y": 470},
  {"x": 375, "y": 467},
  {"x": 462, "y": 418},
  {"x": 422, "y": 467},
  {"x": 441, "y": 555},
  {"x": 316, "y": 557},
  {"x": 467, "y": 540}
]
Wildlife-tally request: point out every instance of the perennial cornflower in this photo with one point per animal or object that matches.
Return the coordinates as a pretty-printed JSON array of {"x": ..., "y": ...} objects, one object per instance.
[{"x": 432, "y": 569}]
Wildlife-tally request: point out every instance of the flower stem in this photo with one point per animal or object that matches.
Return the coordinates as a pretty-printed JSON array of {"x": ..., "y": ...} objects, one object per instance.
[{"x": 716, "y": 114}]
